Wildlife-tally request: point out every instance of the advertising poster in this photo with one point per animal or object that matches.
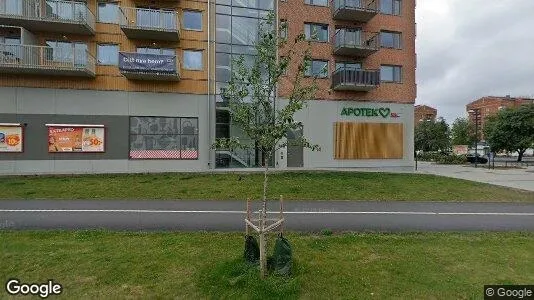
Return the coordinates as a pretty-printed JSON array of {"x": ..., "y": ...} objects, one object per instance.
[
  {"x": 75, "y": 139},
  {"x": 10, "y": 138}
]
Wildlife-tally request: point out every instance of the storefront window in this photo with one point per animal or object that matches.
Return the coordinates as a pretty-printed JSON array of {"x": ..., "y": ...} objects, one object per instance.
[{"x": 163, "y": 138}]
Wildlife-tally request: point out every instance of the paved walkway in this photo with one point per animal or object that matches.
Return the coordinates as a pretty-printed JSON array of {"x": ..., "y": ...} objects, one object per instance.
[{"x": 514, "y": 178}]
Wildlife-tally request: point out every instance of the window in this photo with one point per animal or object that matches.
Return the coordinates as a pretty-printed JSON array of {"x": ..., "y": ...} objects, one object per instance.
[
  {"x": 157, "y": 51},
  {"x": 193, "y": 60},
  {"x": 107, "y": 54},
  {"x": 107, "y": 12},
  {"x": 316, "y": 32},
  {"x": 284, "y": 28},
  {"x": 390, "y": 7},
  {"x": 391, "y": 73},
  {"x": 317, "y": 2},
  {"x": 317, "y": 68},
  {"x": 163, "y": 137},
  {"x": 390, "y": 39},
  {"x": 192, "y": 20},
  {"x": 348, "y": 65}
]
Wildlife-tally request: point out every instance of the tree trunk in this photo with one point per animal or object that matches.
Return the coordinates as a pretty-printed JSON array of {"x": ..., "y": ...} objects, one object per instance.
[
  {"x": 520, "y": 156},
  {"x": 263, "y": 241}
]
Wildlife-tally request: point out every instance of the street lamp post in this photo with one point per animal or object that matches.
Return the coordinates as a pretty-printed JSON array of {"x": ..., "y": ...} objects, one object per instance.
[{"x": 476, "y": 112}]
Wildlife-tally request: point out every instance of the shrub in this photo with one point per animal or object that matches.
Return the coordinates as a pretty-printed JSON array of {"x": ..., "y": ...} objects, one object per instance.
[{"x": 451, "y": 159}]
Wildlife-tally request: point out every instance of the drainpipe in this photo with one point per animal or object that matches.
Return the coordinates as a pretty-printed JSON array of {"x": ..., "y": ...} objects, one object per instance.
[{"x": 210, "y": 115}]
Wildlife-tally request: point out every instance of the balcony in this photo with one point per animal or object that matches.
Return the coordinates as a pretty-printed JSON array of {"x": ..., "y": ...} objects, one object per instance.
[
  {"x": 44, "y": 60},
  {"x": 358, "y": 43},
  {"x": 345, "y": 79},
  {"x": 154, "y": 67},
  {"x": 150, "y": 24},
  {"x": 48, "y": 15},
  {"x": 355, "y": 10}
]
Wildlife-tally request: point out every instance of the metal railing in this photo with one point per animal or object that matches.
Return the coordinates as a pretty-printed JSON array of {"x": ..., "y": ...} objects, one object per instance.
[
  {"x": 356, "y": 38},
  {"x": 356, "y": 77},
  {"x": 53, "y": 10},
  {"x": 370, "y": 5},
  {"x": 44, "y": 57},
  {"x": 141, "y": 18}
]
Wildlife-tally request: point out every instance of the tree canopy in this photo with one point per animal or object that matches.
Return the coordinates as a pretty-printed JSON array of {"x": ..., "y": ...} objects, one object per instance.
[
  {"x": 511, "y": 129},
  {"x": 432, "y": 136},
  {"x": 462, "y": 132}
]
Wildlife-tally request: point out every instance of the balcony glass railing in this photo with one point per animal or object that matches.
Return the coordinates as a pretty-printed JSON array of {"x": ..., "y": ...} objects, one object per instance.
[
  {"x": 52, "y": 10},
  {"x": 355, "y": 77},
  {"x": 356, "y": 39},
  {"x": 141, "y": 18},
  {"x": 370, "y": 5},
  {"x": 44, "y": 57}
]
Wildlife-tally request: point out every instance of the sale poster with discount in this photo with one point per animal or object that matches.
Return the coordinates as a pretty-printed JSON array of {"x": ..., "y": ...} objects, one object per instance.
[
  {"x": 75, "y": 139},
  {"x": 11, "y": 139}
]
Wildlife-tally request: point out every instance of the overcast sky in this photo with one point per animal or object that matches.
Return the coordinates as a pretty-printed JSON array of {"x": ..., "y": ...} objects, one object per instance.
[{"x": 467, "y": 49}]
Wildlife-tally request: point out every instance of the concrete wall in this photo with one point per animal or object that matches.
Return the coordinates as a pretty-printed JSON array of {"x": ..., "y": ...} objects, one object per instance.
[
  {"x": 36, "y": 107},
  {"x": 319, "y": 118}
]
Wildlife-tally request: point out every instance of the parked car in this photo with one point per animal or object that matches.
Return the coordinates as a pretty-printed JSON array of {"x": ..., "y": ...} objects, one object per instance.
[{"x": 478, "y": 158}]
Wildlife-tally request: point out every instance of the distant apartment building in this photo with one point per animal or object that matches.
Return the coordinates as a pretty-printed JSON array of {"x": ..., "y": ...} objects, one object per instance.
[
  {"x": 424, "y": 113},
  {"x": 134, "y": 85},
  {"x": 490, "y": 105}
]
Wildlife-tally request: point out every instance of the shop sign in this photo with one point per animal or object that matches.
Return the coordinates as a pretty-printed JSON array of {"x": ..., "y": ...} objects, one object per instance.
[
  {"x": 382, "y": 112},
  {"x": 11, "y": 138},
  {"x": 76, "y": 138}
]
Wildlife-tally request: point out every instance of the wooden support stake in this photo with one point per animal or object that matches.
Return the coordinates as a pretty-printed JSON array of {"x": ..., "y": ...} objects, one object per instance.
[
  {"x": 248, "y": 217},
  {"x": 281, "y": 214}
]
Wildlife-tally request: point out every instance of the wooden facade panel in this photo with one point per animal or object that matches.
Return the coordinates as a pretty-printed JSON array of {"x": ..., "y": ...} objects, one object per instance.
[
  {"x": 109, "y": 77},
  {"x": 354, "y": 140}
]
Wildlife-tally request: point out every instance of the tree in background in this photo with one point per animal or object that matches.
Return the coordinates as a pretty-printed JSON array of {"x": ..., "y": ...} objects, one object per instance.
[
  {"x": 511, "y": 129},
  {"x": 251, "y": 100},
  {"x": 462, "y": 132},
  {"x": 432, "y": 136}
]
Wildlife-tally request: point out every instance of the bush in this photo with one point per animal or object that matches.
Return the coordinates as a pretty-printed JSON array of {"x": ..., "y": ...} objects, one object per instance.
[
  {"x": 451, "y": 159},
  {"x": 429, "y": 156}
]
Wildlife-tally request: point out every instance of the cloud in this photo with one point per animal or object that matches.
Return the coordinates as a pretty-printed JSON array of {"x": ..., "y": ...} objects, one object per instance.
[{"x": 470, "y": 49}]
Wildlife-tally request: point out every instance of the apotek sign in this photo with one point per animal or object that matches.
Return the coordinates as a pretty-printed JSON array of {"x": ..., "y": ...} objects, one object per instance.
[{"x": 382, "y": 112}]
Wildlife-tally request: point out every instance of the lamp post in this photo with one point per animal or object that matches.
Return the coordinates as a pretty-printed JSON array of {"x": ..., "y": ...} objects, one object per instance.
[{"x": 476, "y": 112}]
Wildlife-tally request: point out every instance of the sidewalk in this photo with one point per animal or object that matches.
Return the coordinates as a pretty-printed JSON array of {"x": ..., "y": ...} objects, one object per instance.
[{"x": 514, "y": 178}]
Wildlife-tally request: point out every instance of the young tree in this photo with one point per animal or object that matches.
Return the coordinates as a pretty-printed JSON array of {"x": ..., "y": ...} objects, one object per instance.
[
  {"x": 462, "y": 132},
  {"x": 511, "y": 129},
  {"x": 251, "y": 101},
  {"x": 432, "y": 136}
]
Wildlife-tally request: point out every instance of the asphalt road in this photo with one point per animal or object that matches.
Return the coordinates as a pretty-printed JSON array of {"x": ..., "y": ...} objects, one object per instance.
[{"x": 300, "y": 215}]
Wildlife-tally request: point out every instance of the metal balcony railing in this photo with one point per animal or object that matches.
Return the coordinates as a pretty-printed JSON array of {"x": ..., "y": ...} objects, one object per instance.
[
  {"x": 44, "y": 15},
  {"x": 355, "y": 42},
  {"x": 46, "y": 60},
  {"x": 355, "y": 79},
  {"x": 355, "y": 10}
]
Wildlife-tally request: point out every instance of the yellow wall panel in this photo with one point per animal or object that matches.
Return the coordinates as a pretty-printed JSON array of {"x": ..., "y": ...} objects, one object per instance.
[{"x": 354, "y": 140}]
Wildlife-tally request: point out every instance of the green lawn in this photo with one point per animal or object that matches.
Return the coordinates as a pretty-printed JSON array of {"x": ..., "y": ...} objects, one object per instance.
[
  {"x": 292, "y": 185},
  {"x": 116, "y": 265}
]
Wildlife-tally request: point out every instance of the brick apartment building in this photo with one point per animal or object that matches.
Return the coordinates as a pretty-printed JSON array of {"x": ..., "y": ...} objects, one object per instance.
[
  {"x": 134, "y": 86},
  {"x": 424, "y": 113},
  {"x": 490, "y": 105}
]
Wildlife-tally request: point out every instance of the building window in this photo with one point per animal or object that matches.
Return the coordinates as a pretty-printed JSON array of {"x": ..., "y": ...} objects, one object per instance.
[
  {"x": 107, "y": 54},
  {"x": 157, "y": 51},
  {"x": 193, "y": 60},
  {"x": 348, "y": 65},
  {"x": 391, "y": 74},
  {"x": 390, "y": 7},
  {"x": 192, "y": 20},
  {"x": 316, "y": 32},
  {"x": 108, "y": 12},
  {"x": 163, "y": 138},
  {"x": 390, "y": 39},
  {"x": 284, "y": 29},
  {"x": 317, "y": 68},
  {"x": 317, "y": 2}
]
